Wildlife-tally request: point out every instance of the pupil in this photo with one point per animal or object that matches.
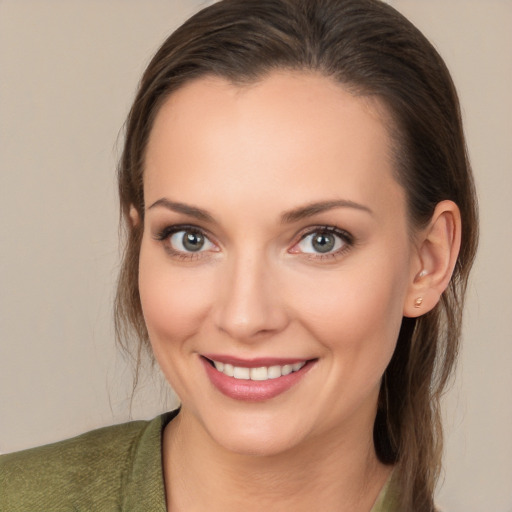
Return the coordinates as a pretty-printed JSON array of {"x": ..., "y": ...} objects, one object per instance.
[
  {"x": 323, "y": 243},
  {"x": 193, "y": 241}
]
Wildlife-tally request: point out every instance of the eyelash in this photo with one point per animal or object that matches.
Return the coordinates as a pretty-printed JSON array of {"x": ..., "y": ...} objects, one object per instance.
[
  {"x": 164, "y": 235},
  {"x": 346, "y": 238}
]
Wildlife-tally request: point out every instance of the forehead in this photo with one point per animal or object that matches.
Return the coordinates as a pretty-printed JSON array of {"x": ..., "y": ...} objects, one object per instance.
[{"x": 296, "y": 132}]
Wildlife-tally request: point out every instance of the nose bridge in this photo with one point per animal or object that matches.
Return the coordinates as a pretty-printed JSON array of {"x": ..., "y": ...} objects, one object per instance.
[{"x": 249, "y": 302}]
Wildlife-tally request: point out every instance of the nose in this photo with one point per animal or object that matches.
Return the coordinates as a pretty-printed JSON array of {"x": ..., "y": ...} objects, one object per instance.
[{"x": 249, "y": 305}]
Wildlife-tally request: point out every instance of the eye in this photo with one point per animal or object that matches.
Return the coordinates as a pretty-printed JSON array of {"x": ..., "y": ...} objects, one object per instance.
[
  {"x": 327, "y": 241},
  {"x": 185, "y": 242},
  {"x": 189, "y": 240}
]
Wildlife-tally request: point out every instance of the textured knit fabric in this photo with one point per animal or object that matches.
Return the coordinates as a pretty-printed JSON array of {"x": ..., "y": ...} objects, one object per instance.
[
  {"x": 115, "y": 468},
  {"x": 110, "y": 469}
]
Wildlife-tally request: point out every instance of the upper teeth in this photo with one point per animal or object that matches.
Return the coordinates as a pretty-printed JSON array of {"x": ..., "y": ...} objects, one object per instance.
[{"x": 261, "y": 373}]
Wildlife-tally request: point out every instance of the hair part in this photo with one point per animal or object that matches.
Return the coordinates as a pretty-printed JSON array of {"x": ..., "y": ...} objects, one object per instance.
[{"x": 371, "y": 50}]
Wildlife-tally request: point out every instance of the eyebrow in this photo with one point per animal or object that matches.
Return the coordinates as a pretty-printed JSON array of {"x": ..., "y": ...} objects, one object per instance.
[
  {"x": 288, "y": 217},
  {"x": 311, "y": 209},
  {"x": 186, "y": 209}
]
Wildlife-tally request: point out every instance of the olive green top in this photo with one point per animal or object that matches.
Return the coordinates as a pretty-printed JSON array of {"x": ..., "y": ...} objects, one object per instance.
[{"x": 115, "y": 468}]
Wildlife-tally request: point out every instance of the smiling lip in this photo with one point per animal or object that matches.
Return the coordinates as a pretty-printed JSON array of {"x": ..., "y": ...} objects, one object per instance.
[{"x": 257, "y": 387}]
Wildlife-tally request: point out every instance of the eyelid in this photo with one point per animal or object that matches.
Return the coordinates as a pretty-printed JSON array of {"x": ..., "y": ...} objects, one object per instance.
[
  {"x": 324, "y": 228},
  {"x": 171, "y": 229}
]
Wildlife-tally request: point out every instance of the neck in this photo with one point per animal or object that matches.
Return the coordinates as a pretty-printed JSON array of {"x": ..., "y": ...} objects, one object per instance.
[{"x": 339, "y": 473}]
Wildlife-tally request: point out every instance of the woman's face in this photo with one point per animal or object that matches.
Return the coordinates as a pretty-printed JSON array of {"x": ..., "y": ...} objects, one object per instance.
[{"x": 275, "y": 241}]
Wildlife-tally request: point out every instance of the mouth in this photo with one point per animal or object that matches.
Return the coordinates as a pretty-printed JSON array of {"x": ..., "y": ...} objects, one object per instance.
[
  {"x": 257, "y": 379},
  {"x": 259, "y": 373}
]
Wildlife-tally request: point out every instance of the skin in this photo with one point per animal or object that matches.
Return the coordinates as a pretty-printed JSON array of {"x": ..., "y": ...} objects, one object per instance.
[{"x": 248, "y": 155}]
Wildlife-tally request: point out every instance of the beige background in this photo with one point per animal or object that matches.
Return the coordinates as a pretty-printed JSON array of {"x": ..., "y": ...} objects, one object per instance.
[{"x": 68, "y": 71}]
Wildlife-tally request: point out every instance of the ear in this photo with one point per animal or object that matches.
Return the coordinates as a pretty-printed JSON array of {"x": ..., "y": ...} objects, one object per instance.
[
  {"x": 134, "y": 216},
  {"x": 437, "y": 249}
]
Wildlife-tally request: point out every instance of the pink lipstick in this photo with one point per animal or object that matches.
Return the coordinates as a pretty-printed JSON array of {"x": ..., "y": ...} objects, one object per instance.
[{"x": 254, "y": 379}]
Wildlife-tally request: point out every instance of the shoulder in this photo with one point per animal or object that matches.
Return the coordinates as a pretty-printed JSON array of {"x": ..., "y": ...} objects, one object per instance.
[{"x": 88, "y": 472}]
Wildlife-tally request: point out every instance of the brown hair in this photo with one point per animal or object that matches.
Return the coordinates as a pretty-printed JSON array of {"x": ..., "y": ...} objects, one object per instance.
[{"x": 372, "y": 50}]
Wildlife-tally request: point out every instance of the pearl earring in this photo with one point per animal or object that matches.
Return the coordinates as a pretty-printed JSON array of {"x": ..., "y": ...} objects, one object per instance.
[{"x": 418, "y": 302}]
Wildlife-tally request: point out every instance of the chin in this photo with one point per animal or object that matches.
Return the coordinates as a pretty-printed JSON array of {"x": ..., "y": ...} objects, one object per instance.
[
  {"x": 253, "y": 434},
  {"x": 258, "y": 444}
]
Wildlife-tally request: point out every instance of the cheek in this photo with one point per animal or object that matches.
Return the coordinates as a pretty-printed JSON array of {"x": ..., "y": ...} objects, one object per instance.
[
  {"x": 174, "y": 300},
  {"x": 357, "y": 310}
]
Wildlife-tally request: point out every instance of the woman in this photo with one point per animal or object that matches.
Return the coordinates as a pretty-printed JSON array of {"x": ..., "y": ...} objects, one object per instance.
[{"x": 301, "y": 222}]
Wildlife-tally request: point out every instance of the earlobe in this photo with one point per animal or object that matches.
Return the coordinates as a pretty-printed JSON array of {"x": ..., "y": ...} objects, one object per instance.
[
  {"x": 134, "y": 216},
  {"x": 437, "y": 251}
]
